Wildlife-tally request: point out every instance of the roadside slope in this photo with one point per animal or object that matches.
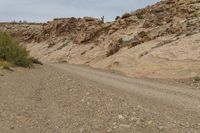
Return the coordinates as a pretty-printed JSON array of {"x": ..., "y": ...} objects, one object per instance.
[{"x": 159, "y": 41}]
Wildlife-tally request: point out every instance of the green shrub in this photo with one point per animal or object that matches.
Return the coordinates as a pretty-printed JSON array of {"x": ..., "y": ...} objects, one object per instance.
[{"x": 12, "y": 52}]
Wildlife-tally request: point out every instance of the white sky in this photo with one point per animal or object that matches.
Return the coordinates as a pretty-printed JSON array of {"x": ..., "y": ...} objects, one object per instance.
[{"x": 45, "y": 10}]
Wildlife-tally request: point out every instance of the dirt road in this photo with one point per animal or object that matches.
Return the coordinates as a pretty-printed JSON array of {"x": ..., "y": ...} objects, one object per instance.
[{"x": 60, "y": 98}]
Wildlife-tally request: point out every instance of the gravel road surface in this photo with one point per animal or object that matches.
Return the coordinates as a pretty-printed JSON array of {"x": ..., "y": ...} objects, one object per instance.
[{"x": 62, "y": 98}]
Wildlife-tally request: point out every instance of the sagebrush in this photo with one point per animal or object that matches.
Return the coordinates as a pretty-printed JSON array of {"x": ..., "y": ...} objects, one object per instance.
[{"x": 12, "y": 52}]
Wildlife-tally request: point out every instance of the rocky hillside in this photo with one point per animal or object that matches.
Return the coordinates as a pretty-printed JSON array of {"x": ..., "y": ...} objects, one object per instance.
[
  {"x": 160, "y": 41},
  {"x": 22, "y": 31}
]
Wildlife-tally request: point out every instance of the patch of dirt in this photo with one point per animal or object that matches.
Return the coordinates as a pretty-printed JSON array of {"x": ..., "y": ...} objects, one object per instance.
[{"x": 47, "y": 99}]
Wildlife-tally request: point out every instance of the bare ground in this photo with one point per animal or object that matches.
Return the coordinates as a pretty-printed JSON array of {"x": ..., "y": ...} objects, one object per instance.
[{"x": 62, "y": 98}]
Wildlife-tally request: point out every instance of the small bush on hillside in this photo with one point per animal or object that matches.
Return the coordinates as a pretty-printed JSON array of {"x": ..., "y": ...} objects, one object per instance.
[
  {"x": 12, "y": 52},
  {"x": 117, "y": 17}
]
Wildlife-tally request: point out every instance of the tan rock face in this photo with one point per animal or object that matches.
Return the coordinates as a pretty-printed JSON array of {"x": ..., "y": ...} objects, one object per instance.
[
  {"x": 22, "y": 31},
  {"x": 131, "y": 41},
  {"x": 78, "y": 30}
]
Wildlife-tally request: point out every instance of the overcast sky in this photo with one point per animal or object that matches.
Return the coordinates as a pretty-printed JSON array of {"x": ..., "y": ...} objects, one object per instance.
[{"x": 44, "y": 10}]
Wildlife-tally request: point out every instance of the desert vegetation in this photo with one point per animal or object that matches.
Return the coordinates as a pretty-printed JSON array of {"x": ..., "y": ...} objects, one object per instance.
[{"x": 12, "y": 53}]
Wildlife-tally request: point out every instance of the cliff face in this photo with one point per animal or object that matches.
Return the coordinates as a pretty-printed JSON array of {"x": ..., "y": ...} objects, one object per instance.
[{"x": 158, "y": 41}]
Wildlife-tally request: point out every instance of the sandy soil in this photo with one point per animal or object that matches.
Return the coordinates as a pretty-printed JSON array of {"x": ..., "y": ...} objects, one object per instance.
[
  {"x": 177, "y": 59},
  {"x": 74, "y": 99}
]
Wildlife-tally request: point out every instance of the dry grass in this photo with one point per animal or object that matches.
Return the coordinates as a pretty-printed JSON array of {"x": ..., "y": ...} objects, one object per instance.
[{"x": 5, "y": 65}]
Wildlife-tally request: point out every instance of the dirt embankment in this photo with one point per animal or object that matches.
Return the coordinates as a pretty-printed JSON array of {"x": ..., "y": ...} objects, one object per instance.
[{"x": 159, "y": 41}]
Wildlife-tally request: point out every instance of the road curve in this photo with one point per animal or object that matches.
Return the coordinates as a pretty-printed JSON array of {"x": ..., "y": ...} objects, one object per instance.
[
  {"x": 181, "y": 96},
  {"x": 178, "y": 103},
  {"x": 63, "y": 98}
]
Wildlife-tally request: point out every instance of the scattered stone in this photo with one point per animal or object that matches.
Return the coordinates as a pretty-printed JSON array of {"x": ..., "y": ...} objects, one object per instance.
[
  {"x": 120, "y": 116},
  {"x": 82, "y": 100},
  {"x": 109, "y": 130},
  {"x": 149, "y": 122},
  {"x": 161, "y": 128},
  {"x": 125, "y": 125},
  {"x": 69, "y": 79},
  {"x": 12, "y": 127}
]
